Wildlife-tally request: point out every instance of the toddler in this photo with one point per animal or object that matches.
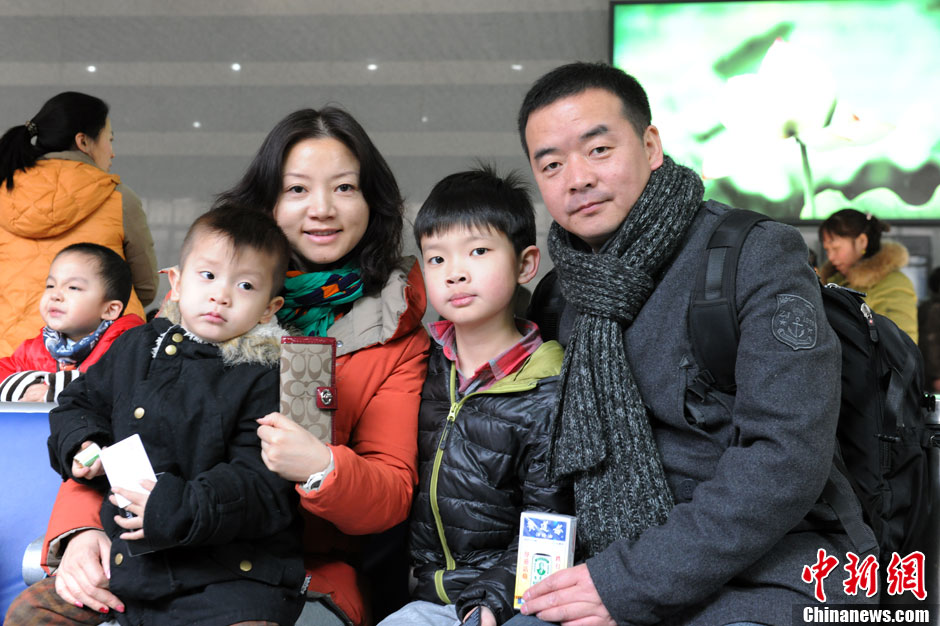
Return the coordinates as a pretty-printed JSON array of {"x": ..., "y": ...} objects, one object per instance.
[{"x": 82, "y": 307}]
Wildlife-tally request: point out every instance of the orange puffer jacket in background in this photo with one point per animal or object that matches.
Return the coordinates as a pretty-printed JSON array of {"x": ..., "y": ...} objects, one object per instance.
[
  {"x": 65, "y": 199},
  {"x": 381, "y": 363}
]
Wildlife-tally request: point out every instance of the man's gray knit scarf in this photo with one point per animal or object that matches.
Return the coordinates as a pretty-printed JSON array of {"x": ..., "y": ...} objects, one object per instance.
[{"x": 601, "y": 434}]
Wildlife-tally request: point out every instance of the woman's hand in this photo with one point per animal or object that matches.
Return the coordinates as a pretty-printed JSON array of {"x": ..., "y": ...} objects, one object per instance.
[
  {"x": 138, "y": 506},
  {"x": 82, "y": 577},
  {"x": 288, "y": 450}
]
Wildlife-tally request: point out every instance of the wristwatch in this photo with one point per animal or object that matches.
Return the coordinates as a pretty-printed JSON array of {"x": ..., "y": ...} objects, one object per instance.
[{"x": 316, "y": 479}]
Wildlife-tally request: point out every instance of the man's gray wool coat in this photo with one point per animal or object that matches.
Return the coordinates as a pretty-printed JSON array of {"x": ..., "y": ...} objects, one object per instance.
[{"x": 748, "y": 471}]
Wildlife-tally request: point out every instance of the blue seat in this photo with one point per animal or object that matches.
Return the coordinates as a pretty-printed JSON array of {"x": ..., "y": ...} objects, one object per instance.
[{"x": 29, "y": 487}]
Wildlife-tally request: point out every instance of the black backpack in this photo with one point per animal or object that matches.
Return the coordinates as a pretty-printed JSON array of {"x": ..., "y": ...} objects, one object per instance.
[{"x": 882, "y": 432}]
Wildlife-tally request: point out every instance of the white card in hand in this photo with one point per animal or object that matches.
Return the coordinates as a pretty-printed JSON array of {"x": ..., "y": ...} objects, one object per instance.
[{"x": 126, "y": 463}]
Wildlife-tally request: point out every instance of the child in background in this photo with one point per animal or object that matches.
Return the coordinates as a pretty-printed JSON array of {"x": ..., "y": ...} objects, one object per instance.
[
  {"x": 483, "y": 429},
  {"x": 82, "y": 306},
  {"x": 223, "y": 529}
]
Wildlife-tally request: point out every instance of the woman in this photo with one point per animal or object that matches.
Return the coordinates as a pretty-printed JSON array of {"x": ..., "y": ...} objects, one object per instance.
[
  {"x": 55, "y": 190},
  {"x": 859, "y": 260},
  {"x": 336, "y": 200}
]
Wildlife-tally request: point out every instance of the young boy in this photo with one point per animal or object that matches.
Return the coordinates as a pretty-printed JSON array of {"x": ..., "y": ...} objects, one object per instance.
[
  {"x": 222, "y": 530},
  {"x": 86, "y": 291},
  {"x": 483, "y": 428}
]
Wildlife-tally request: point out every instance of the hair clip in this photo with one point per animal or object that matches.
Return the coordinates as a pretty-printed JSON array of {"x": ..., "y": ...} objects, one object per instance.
[
  {"x": 868, "y": 216},
  {"x": 31, "y": 127}
]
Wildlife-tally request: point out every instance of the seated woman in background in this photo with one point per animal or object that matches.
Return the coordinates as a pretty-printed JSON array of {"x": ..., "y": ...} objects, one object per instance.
[
  {"x": 55, "y": 190},
  {"x": 334, "y": 196},
  {"x": 859, "y": 260}
]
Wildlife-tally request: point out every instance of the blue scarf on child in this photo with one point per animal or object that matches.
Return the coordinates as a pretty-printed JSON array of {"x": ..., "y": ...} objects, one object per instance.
[{"x": 67, "y": 353}]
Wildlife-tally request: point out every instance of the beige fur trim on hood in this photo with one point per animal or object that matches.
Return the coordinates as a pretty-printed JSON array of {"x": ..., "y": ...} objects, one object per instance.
[
  {"x": 869, "y": 272},
  {"x": 261, "y": 344}
]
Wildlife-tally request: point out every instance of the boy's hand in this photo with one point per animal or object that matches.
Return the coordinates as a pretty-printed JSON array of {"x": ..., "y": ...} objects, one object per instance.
[
  {"x": 35, "y": 393},
  {"x": 486, "y": 616},
  {"x": 138, "y": 506},
  {"x": 92, "y": 471},
  {"x": 288, "y": 450}
]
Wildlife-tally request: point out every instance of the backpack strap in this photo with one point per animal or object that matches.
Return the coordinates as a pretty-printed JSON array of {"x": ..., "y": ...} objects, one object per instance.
[
  {"x": 713, "y": 326},
  {"x": 547, "y": 305},
  {"x": 713, "y": 316},
  {"x": 901, "y": 379},
  {"x": 844, "y": 505}
]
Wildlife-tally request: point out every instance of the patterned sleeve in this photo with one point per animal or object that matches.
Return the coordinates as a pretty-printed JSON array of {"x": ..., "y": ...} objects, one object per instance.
[
  {"x": 14, "y": 386},
  {"x": 57, "y": 381}
]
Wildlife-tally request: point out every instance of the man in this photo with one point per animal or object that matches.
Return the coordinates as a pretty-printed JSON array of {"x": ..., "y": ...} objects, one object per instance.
[{"x": 691, "y": 510}]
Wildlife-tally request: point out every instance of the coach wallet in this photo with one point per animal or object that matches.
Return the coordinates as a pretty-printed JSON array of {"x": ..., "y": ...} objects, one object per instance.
[{"x": 308, "y": 383}]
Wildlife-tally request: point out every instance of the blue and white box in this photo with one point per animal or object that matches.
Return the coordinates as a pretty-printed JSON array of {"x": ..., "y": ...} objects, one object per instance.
[{"x": 546, "y": 545}]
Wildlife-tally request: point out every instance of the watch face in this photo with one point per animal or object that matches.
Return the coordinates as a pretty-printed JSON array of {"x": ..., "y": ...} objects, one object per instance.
[{"x": 314, "y": 481}]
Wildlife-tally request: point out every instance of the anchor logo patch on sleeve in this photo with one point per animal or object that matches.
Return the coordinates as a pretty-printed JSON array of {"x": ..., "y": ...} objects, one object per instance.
[{"x": 795, "y": 322}]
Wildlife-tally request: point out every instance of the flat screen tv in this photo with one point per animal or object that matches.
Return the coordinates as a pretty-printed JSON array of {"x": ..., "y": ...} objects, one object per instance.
[{"x": 796, "y": 108}]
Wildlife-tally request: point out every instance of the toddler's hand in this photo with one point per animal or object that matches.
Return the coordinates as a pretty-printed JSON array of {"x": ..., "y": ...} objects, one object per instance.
[
  {"x": 138, "y": 506},
  {"x": 35, "y": 393},
  {"x": 92, "y": 471}
]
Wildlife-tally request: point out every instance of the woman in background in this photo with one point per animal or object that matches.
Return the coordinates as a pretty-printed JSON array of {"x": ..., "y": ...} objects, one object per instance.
[
  {"x": 56, "y": 190},
  {"x": 859, "y": 260}
]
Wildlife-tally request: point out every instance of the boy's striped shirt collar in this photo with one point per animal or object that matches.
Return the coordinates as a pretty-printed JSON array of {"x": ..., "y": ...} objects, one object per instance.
[{"x": 499, "y": 367}]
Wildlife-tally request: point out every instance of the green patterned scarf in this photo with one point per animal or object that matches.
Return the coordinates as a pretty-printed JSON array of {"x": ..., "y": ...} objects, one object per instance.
[{"x": 311, "y": 299}]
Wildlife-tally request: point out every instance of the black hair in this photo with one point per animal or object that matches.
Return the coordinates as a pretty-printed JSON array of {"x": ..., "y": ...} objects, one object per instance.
[
  {"x": 574, "y": 78},
  {"x": 933, "y": 281},
  {"x": 479, "y": 198},
  {"x": 113, "y": 270},
  {"x": 379, "y": 250},
  {"x": 243, "y": 227},
  {"x": 54, "y": 128},
  {"x": 851, "y": 223}
]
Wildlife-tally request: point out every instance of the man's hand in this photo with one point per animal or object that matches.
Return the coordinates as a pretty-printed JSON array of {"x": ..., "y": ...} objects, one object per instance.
[
  {"x": 82, "y": 577},
  {"x": 35, "y": 393},
  {"x": 288, "y": 450},
  {"x": 567, "y": 597},
  {"x": 138, "y": 506}
]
